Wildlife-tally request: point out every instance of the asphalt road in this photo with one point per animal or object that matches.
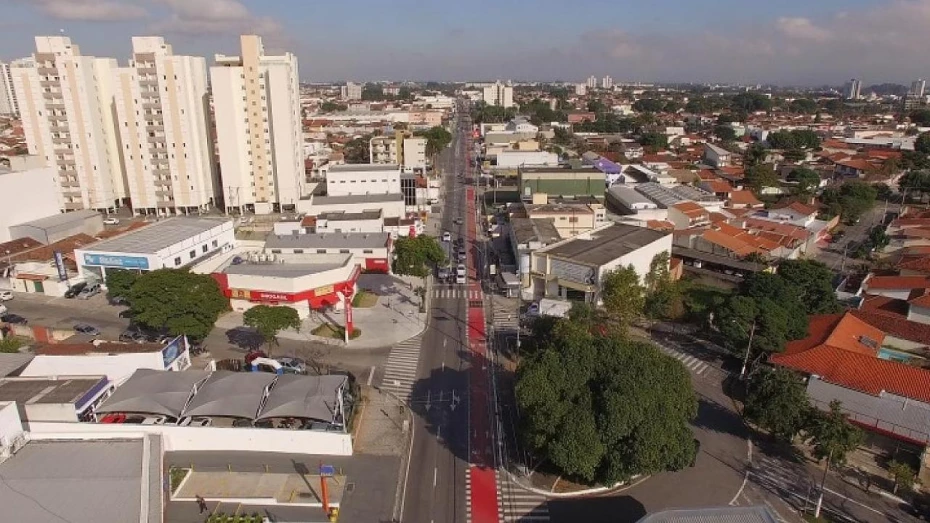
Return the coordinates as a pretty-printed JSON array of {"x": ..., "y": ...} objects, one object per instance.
[
  {"x": 63, "y": 313},
  {"x": 435, "y": 490}
]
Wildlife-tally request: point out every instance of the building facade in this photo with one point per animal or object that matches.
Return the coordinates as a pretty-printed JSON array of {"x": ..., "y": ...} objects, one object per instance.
[
  {"x": 351, "y": 91},
  {"x": 362, "y": 179},
  {"x": 162, "y": 116},
  {"x": 400, "y": 149},
  {"x": 259, "y": 142},
  {"x": 65, "y": 104},
  {"x": 28, "y": 191},
  {"x": 498, "y": 94},
  {"x": 853, "y": 89},
  {"x": 8, "y": 102}
]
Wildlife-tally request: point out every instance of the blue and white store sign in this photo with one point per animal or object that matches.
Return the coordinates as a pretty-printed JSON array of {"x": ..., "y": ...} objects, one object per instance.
[{"x": 124, "y": 262}]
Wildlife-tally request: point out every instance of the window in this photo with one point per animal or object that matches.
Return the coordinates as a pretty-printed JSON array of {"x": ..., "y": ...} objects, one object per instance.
[
  {"x": 343, "y": 251},
  {"x": 177, "y": 261},
  {"x": 298, "y": 251},
  {"x": 573, "y": 220},
  {"x": 275, "y": 251},
  {"x": 193, "y": 254},
  {"x": 321, "y": 251},
  {"x": 367, "y": 251},
  {"x": 215, "y": 243},
  {"x": 204, "y": 248}
]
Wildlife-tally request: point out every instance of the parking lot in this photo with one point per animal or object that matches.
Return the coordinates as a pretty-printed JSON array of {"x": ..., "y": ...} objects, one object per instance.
[{"x": 64, "y": 313}]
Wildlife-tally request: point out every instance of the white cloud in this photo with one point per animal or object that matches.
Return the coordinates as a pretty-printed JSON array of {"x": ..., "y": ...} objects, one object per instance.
[
  {"x": 802, "y": 28},
  {"x": 213, "y": 17},
  {"x": 90, "y": 10}
]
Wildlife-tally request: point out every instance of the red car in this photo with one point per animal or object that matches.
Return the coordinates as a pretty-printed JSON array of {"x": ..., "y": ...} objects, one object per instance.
[
  {"x": 113, "y": 418},
  {"x": 250, "y": 357}
]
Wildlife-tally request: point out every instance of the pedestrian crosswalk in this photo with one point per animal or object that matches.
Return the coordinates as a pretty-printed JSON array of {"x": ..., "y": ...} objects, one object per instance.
[
  {"x": 518, "y": 504},
  {"x": 457, "y": 292},
  {"x": 690, "y": 362},
  {"x": 505, "y": 320},
  {"x": 400, "y": 371}
]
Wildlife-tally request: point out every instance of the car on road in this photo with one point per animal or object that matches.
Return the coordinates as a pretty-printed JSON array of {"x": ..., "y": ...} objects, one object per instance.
[
  {"x": 132, "y": 336},
  {"x": 86, "y": 328},
  {"x": 293, "y": 365},
  {"x": 89, "y": 291},
  {"x": 457, "y": 221},
  {"x": 111, "y": 221},
  {"x": 6, "y": 295},
  {"x": 75, "y": 290},
  {"x": 117, "y": 300},
  {"x": 113, "y": 417},
  {"x": 447, "y": 236},
  {"x": 14, "y": 319}
]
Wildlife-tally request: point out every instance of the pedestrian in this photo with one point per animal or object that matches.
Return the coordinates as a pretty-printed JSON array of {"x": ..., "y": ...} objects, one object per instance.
[{"x": 201, "y": 503}]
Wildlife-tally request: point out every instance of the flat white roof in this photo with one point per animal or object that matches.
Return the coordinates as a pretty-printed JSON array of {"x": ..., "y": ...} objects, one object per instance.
[{"x": 158, "y": 236}]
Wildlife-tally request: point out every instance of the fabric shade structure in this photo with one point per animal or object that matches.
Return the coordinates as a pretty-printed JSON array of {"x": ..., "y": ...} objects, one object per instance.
[
  {"x": 150, "y": 391},
  {"x": 307, "y": 397},
  {"x": 231, "y": 395}
]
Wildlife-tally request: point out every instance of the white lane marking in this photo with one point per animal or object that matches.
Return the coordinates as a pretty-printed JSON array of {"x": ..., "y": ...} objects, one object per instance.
[
  {"x": 435, "y": 475},
  {"x": 748, "y": 469},
  {"x": 371, "y": 375}
]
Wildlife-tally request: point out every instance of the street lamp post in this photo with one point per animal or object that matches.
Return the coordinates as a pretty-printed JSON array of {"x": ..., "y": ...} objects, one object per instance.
[{"x": 752, "y": 332}]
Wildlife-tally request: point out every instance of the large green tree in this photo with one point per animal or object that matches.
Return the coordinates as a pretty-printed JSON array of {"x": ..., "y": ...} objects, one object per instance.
[
  {"x": 662, "y": 293},
  {"x": 920, "y": 117},
  {"x": 803, "y": 106},
  {"x": 119, "y": 282},
  {"x": 648, "y": 105},
  {"x": 654, "y": 141},
  {"x": 832, "y": 437},
  {"x": 812, "y": 281},
  {"x": 436, "y": 139},
  {"x": 623, "y": 296},
  {"x": 922, "y": 144},
  {"x": 777, "y": 402},
  {"x": 269, "y": 320},
  {"x": 725, "y": 132},
  {"x": 416, "y": 256},
  {"x": 768, "y": 302},
  {"x": 851, "y": 200},
  {"x": 916, "y": 183},
  {"x": 605, "y": 408},
  {"x": 177, "y": 300},
  {"x": 807, "y": 179},
  {"x": 760, "y": 176},
  {"x": 754, "y": 155}
]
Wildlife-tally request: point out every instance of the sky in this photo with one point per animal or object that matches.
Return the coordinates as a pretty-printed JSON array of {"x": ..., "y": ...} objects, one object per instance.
[{"x": 785, "y": 42}]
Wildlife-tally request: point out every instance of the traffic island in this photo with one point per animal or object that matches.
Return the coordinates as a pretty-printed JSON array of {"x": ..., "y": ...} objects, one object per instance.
[{"x": 263, "y": 489}]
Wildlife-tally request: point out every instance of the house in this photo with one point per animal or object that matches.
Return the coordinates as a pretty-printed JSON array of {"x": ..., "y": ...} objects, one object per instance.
[
  {"x": 853, "y": 168},
  {"x": 716, "y": 156},
  {"x": 744, "y": 200},
  {"x": 686, "y": 215},
  {"x": 906, "y": 324},
  {"x": 897, "y": 287}
]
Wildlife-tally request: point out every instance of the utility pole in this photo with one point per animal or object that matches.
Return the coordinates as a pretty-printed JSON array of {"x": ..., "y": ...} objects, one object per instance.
[
  {"x": 752, "y": 332},
  {"x": 823, "y": 482}
]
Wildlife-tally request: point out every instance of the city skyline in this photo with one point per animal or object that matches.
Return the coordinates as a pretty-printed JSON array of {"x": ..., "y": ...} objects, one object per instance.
[{"x": 791, "y": 43}]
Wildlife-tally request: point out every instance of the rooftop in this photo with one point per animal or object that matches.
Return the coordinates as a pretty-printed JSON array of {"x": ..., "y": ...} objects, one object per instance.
[
  {"x": 285, "y": 270},
  {"x": 367, "y": 167},
  {"x": 628, "y": 196},
  {"x": 357, "y": 198},
  {"x": 350, "y": 216},
  {"x": 47, "y": 390},
  {"x": 526, "y": 230},
  {"x": 335, "y": 240},
  {"x": 80, "y": 349},
  {"x": 159, "y": 235},
  {"x": 58, "y": 220},
  {"x": 81, "y": 481},
  {"x": 604, "y": 245},
  {"x": 898, "y": 282}
]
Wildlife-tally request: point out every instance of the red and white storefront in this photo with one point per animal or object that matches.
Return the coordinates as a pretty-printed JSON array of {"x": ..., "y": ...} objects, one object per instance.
[{"x": 304, "y": 290}]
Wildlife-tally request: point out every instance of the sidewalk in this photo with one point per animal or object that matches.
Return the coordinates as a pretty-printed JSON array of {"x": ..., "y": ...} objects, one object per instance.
[{"x": 394, "y": 318}]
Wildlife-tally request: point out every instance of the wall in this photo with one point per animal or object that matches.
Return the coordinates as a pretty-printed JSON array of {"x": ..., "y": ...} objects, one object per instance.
[
  {"x": 11, "y": 426},
  {"x": 25, "y": 196},
  {"x": 231, "y": 439},
  {"x": 347, "y": 182},
  {"x": 518, "y": 158},
  {"x": 640, "y": 258},
  {"x": 389, "y": 209},
  {"x": 117, "y": 367}
]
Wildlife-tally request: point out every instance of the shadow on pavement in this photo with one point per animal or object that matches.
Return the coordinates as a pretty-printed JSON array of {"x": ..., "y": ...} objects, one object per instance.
[
  {"x": 244, "y": 338},
  {"x": 617, "y": 509}
]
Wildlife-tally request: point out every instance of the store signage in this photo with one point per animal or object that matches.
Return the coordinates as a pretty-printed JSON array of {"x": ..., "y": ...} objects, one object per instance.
[
  {"x": 272, "y": 296},
  {"x": 239, "y": 294},
  {"x": 324, "y": 290},
  {"x": 60, "y": 265},
  {"x": 172, "y": 350},
  {"x": 126, "y": 262}
]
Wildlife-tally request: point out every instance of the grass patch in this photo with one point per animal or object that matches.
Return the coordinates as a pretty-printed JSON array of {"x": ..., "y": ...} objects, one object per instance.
[
  {"x": 176, "y": 475},
  {"x": 364, "y": 299},
  {"x": 337, "y": 332},
  {"x": 11, "y": 344}
]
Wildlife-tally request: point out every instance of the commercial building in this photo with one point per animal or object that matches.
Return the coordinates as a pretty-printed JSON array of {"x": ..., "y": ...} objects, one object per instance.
[
  {"x": 558, "y": 181},
  {"x": 390, "y": 204},
  {"x": 351, "y": 91},
  {"x": 514, "y": 159},
  {"x": 65, "y": 102},
  {"x": 498, "y": 94},
  {"x": 161, "y": 107},
  {"x": 362, "y": 179},
  {"x": 716, "y": 156},
  {"x": 574, "y": 268},
  {"x": 8, "y": 102},
  {"x": 171, "y": 243},
  {"x": 59, "y": 226},
  {"x": 569, "y": 219},
  {"x": 58, "y": 398},
  {"x": 372, "y": 251},
  {"x": 28, "y": 191},
  {"x": 400, "y": 149},
  {"x": 256, "y": 102}
]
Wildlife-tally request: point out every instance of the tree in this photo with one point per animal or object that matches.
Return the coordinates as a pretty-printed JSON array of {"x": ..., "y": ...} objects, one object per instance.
[
  {"x": 655, "y": 141},
  {"x": 902, "y": 474},
  {"x": 605, "y": 408},
  {"x": 922, "y": 144},
  {"x": 750, "y": 102},
  {"x": 878, "y": 238},
  {"x": 436, "y": 139},
  {"x": 761, "y": 176},
  {"x": 920, "y": 117},
  {"x": 648, "y": 105},
  {"x": 781, "y": 140},
  {"x": 179, "y": 301},
  {"x": 357, "y": 150},
  {"x": 119, "y": 282},
  {"x": 915, "y": 183},
  {"x": 10, "y": 345},
  {"x": 832, "y": 436},
  {"x": 415, "y": 256},
  {"x": 623, "y": 296},
  {"x": 372, "y": 92},
  {"x": 767, "y": 301},
  {"x": 332, "y": 107},
  {"x": 662, "y": 292},
  {"x": 562, "y": 136},
  {"x": 754, "y": 155},
  {"x": 269, "y": 320},
  {"x": 803, "y": 106},
  {"x": 851, "y": 200},
  {"x": 794, "y": 155},
  {"x": 725, "y": 132},
  {"x": 807, "y": 179},
  {"x": 777, "y": 402},
  {"x": 812, "y": 282}
]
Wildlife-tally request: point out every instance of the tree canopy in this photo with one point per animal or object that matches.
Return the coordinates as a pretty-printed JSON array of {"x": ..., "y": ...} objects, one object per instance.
[
  {"x": 357, "y": 150},
  {"x": 416, "y": 256},
  {"x": 623, "y": 296},
  {"x": 916, "y": 183},
  {"x": 436, "y": 139},
  {"x": 269, "y": 320},
  {"x": 760, "y": 176},
  {"x": 777, "y": 402},
  {"x": 851, "y": 200},
  {"x": 177, "y": 300},
  {"x": 119, "y": 282},
  {"x": 332, "y": 107},
  {"x": 796, "y": 139},
  {"x": 754, "y": 155},
  {"x": 832, "y": 435},
  {"x": 807, "y": 179},
  {"x": 649, "y": 105},
  {"x": 920, "y": 117},
  {"x": 725, "y": 132},
  {"x": 655, "y": 141},
  {"x": 922, "y": 144},
  {"x": 812, "y": 282},
  {"x": 803, "y": 106},
  {"x": 605, "y": 408}
]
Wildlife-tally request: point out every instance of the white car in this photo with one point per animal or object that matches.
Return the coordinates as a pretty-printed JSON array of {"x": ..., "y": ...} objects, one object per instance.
[
  {"x": 447, "y": 237},
  {"x": 111, "y": 221},
  {"x": 3, "y": 309},
  {"x": 6, "y": 295},
  {"x": 154, "y": 420}
]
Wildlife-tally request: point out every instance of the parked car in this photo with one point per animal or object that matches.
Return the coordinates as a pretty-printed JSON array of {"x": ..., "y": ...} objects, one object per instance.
[
  {"x": 15, "y": 319},
  {"x": 75, "y": 290},
  {"x": 111, "y": 221},
  {"x": 117, "y": 300},
  {"x": 6, "y": 295},
  {"x": 196, "y": 422},
  {"x": 3, "y": 309},
  {"x": 113, "y": 417},
  {"x": 86, "y": 328},
  {"x": 155, "y": 420},
  {"x": 447, "y": 236},
  {"x": 132, "y": 336},
  {"x": 89, "y": 291},
  {"x": 293, "y": 365}
]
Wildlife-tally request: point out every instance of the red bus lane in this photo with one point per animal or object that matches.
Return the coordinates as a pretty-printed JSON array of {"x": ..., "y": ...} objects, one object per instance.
[{"x": 483, "y": 499}]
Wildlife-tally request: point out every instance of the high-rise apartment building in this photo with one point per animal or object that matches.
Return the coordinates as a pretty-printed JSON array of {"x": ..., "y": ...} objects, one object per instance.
[
  {"x": 498, "y": 94},
  {"x": 918, "y": 87},
  {"x": 8, "y": 103},
  {"x": 853, "y": 89},
  {"x": 65, "y": 101},
  {"x": 581, "y": 89},
  {"x": 162, "y": 115},
  {"x": 256, "y": 100},
  {"x": 351, "y": 91},
  {"x": 402, "y": 149},
  {"x": 592, "y": 82},
  {"x": 607, "y": 82}
]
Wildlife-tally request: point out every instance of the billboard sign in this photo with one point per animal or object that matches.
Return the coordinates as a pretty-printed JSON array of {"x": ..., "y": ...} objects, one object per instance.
[
  {"x": 60, "y": 265},
  {"x": 125, "y": 262},
  {"x": 172, "y": 350}
]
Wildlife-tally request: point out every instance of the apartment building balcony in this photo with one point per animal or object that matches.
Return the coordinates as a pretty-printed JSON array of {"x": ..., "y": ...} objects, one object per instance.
[
  {"x": 155, "y": 127},
  {"x": 61, "y": 139},
  {"x": 47, "y": 71},
  {"x": 162, "y": 176},
  {"x": 66, "y": 183},
  {"x": 55, "y": 106},
  {"x": 146, "y": 69},
  {"x": 48, "y": 83},
  {"x": 71, "y": 192},
  {"x": 73, "y": 206},
  {"x": 151, "y": 103},
  {"x": 148, "y": 81},
  {"x": 52, "y": 117}
]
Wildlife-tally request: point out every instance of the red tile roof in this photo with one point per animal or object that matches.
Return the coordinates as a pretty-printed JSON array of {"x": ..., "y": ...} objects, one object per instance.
[
  {"x": 910, "y": 221},
  {"x": 744, "y": 198},
  {"x": 916, "y": 263},
  {"x": 921, "y": 301},
  {"x": 660, "y": 225},
  {"x": 895, "y": 323},
  {"x": 719, "y": 186},
  {"x": 691, "y": 209},
  {"x": 834, "y": 352},
  {"x": 800, "y": 208},
  {"x": 857, "y": 164},
  {"x": 898, "y": 282}
]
